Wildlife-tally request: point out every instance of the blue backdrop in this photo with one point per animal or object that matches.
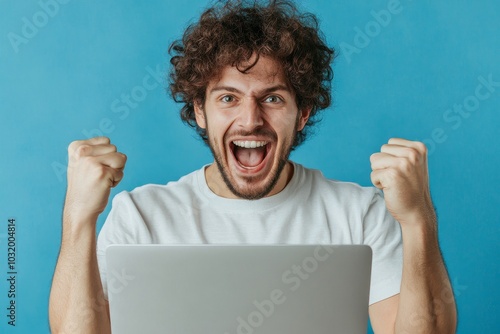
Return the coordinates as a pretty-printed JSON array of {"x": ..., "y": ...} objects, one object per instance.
[{"x": 423, "y": 70}]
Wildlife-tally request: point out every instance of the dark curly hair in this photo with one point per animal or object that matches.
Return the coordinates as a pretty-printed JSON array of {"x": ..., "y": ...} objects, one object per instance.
[{"x": 229, "y": 33}]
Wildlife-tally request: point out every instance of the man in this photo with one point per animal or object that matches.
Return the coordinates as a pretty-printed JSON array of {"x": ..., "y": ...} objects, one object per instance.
[{"x": 252, "y": 79}]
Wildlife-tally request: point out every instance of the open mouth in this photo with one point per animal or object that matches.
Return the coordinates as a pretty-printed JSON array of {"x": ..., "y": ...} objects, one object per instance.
[{"x": 250, "y": 154}]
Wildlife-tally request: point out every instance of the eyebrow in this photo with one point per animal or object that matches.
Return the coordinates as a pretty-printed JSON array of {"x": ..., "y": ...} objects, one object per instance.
[{"x": 262, "y": 92}]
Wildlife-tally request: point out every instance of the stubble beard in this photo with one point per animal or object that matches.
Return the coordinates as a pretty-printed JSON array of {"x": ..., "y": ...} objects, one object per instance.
[{"x": 253, "y": 194}]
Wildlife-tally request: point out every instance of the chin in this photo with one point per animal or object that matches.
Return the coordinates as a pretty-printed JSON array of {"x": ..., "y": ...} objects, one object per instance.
[
  {"x": 251, "y": 164},
  {"x": 248, "y": 186}
]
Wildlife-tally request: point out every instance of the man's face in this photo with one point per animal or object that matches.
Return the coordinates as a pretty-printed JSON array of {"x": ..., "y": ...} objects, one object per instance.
[{"x": 251, "y": 121}]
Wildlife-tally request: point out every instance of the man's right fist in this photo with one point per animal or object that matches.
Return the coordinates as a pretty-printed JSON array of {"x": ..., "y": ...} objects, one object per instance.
[{"x": 94, "y": 168}]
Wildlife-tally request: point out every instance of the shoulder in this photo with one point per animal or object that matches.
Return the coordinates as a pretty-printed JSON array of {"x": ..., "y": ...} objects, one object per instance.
[
  {"x": 173, "y": 193},
  {"x": 348, "y": 193}
]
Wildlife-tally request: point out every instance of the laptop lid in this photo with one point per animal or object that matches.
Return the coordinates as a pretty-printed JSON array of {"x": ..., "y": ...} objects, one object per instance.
[{"x": 239, "y": 289}]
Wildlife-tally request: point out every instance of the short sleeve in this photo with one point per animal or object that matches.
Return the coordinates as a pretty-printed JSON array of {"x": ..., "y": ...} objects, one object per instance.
[
  {"x": 124, "y": 225},
  {"x": 383, "y": 234}
]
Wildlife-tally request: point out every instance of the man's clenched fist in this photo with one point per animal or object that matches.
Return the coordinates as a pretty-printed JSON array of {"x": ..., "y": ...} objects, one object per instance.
[
  {"x": 94, "y": 168},
  {"x": 400, "y": 170}
]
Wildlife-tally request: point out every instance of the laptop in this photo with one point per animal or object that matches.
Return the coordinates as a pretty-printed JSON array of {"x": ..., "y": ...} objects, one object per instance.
[{"x": 239, "y": 289}]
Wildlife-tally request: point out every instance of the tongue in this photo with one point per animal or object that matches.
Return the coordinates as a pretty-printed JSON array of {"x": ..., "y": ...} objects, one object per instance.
[{"x": 249, "y": 157}]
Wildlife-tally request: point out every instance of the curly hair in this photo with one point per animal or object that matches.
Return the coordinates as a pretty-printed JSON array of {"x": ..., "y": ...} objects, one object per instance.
[{"x": 231, "y": 32}]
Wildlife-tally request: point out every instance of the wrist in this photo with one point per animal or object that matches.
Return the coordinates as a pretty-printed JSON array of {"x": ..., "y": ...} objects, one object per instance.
[
  {"x": 79, "y": 227},
  {"x": 422, "y": 219},
  {"x": 420, "y": 239}
]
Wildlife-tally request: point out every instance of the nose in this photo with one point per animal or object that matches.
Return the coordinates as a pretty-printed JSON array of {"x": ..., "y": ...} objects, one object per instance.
[{"x": 250, "y": 115}]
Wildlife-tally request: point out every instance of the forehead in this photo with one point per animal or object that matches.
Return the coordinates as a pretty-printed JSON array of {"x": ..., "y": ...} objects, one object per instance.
[{"x": 265, "y": 73}]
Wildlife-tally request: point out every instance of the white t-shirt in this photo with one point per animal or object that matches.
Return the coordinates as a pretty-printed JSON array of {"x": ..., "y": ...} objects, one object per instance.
[{"x": 309, "y": 210}]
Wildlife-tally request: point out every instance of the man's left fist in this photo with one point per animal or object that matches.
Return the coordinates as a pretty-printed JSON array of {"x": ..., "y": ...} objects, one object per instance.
[{"x": 400, "y": 170}]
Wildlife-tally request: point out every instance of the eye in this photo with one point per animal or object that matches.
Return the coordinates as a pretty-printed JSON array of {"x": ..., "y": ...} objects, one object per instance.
[
  {"x": 273, "y": 99},
  {"x": 227, "y": 98}
]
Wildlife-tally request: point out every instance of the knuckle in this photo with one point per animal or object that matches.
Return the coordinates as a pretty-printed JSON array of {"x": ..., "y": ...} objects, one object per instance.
[
  {"x": 74, "y": 145},
  {"x": 421, "y": 147},
  {"x": 424, "y": 149},
  {"x": 413, "y": 155},
  {"x": 119, "y": 158},
  {"x": 83, "y": 150},
  {"x": 405, "y": 165},
  {"x": 100, "y": 171}
]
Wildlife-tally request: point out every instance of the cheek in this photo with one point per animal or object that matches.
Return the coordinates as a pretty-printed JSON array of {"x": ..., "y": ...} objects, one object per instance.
[
  {"x": 218, "y": 126},
  {"x": 284, "y": 125}
]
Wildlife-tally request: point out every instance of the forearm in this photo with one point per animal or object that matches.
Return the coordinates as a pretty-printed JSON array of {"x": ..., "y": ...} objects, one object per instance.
[
  {"x": 427, "y": 304},
  {"x": 77, "y": 303}
]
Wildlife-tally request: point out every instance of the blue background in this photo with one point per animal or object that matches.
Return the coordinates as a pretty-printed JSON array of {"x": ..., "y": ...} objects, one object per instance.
[{"x": 60, "y": 83}]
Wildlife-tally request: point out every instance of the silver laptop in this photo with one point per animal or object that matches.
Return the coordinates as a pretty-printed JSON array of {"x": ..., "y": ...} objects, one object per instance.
[{"x": 238, "y": 289}]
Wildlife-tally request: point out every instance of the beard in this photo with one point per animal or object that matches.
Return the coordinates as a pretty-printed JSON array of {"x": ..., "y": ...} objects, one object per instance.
[{"x": 253, "y": 193}]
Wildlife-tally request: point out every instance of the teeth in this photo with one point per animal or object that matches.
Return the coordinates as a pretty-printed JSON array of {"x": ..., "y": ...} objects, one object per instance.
[{"x": 249, "y": 144}]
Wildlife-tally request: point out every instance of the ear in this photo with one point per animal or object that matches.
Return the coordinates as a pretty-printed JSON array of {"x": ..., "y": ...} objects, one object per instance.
[
  {"x": 303, "y": 118},
  {"x": 199, "y": 115}
]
